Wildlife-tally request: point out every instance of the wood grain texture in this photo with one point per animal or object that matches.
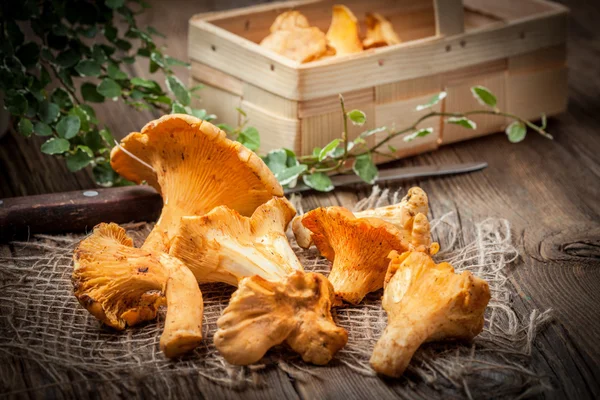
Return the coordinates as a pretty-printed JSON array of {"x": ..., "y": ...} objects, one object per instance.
[{"x": 549, "y": 191}]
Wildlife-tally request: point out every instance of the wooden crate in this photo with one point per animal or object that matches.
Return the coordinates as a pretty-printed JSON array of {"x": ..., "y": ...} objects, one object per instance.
[{"x": 516, "y": 48}]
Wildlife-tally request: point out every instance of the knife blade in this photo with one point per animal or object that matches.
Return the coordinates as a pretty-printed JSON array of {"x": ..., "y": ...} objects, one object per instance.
[
  {"x": 399, "y": 174},
  {"x": 81, "y": 210}
]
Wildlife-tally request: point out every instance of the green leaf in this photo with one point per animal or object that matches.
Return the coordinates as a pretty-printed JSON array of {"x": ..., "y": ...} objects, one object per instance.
[
  {"x": 357, "y": 117},
  {"x": 174, "y": 61},
  {"x": 178, "y": 89},
  {"x": 90, "y": 93},
  {"x": 42, "y": 129},
  {"x": 128, "y": 60},
  {"x": 28, "y": 54},
  {"x": 68, "y": 127},
  {"x": 177, "y": 108},
  {"x": 68, "y": 58},
  {"x": 88, "y": 68},
  {"x": 203, "y": 114},
  {"x": 44, "y": 76},
  {"x": 86, "y": 150},
  {"x": 392, "y": 148},
  {"x": 250, "y": 138},
  {"x": 291, "y": 158},
  {"x": 25, "y": 127},
  {"x": 110, "y": 32},
  {"x": 55, "y": 146},
  {"x": 370, "y": 132},
  {"x": 16, "y": 103},
  {"x": 157, "y": 58},
  {"x": 107, "y": 136},
  {"x": 114, "y": 4},
  {"x": 318, "y": 181},
  {"x": 114, "y": 72},
  {"x": 109, "y": 88},
  {"x": 196, "y": 88},
  {"x": 145, "y": 83},
  {"x": 85, "y": 117},
  {"x": 65, "y": 75},
  {"x": 98, "y": 54},
  {"x": 48, "y": 112},
  {"x": 462, "y": 121},
  {"x": 516, "y": 132},
  {"x": 432, "y": 102},
  {"x": 242, "y": 112},
  {"x": 316, "y": 151},
  {"x": 328, "y": 149},
  {"x": 365, "y": 168},
  {"x": 61, "y": 97},
  {"x": 484, "y": 96},
  {"x": 93, "y": 140},
  {"x": 78, "y": 161},
  {"x": 224, "y": 127},
  {"x": 288, "y": 175},
  {"x": 416, "y": 134},
  {"x": 276, "y": 161},
  {"x": 123, "y": 44},
  {"x": 104, "y": 175}
]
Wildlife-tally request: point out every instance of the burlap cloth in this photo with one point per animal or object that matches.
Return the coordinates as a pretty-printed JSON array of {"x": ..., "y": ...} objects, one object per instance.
[{"x": 41, "y": 321}]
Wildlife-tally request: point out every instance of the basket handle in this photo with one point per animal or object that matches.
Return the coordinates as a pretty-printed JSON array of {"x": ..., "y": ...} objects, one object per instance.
[{"x": 449, "y": 17}]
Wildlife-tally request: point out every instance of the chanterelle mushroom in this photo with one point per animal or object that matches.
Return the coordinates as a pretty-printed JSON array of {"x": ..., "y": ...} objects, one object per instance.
[
  {"x": 122, "y": 285},
  {"x": 380, "y": 32},
  {"x": 224, "y": 246},
  {"x": 262, "y": 314},
  {"x": 425, "y": 301},
  {"x": 292, "y": 37},
  {"x": 358, "y": 248},
  {"x": 400, "y": 215},
  {"x": 195, "y": 168},
  {"x": 276, "y": 301},
  {"x": 343, "y": 33}
]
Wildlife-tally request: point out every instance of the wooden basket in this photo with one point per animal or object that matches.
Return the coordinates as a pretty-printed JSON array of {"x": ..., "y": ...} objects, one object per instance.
[{"x": 516, "y": 48}]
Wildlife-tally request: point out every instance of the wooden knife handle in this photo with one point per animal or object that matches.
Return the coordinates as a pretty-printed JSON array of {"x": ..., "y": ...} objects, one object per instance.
[{"x": 78, "y": 211}]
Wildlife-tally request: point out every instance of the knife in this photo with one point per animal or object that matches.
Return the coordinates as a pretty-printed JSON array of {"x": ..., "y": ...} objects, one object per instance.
[
  {"x": 399, "y": 174},
  {"x": 80, "y": 211}
]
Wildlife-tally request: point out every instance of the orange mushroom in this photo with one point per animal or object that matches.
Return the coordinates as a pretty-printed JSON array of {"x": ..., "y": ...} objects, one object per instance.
[
  {"x": 343, "y": 33},
  {"x": 380, "y": 32},
  {"x": 358, "y": 248},
  {"x": 400, "y": 215},
  {"x": 123, "y": 286},
  {"x": 293, "y": 37},
  {"x": 425, "y": 302},
  {"x": 195, "y": 168},
  {"x": 276, "y": 301}
]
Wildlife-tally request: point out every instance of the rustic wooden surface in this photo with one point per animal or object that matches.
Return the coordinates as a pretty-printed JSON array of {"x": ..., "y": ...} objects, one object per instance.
[{"x": 549, "y": 190}]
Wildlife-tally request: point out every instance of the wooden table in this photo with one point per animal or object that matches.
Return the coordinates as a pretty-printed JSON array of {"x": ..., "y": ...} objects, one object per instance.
[{"x": 549, "y": 190}]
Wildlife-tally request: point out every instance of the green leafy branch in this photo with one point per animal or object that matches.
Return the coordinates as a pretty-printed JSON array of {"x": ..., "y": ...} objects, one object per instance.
[
  {"x": 336, "y": 156},
  {"x": 77, "y": 45}
]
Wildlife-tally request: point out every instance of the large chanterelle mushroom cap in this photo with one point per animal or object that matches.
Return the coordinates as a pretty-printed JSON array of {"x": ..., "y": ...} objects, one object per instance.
[
  {"x": 195, "y": 168},
  {"x": 224, "y": 246},
  {"x": 122, "y": 286},
  {"x": 358, "y": 248},
  {"x": 425, "y": 301}
]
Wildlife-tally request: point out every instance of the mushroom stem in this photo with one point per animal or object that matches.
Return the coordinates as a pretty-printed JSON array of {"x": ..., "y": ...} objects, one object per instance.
[
  {"x": 397, "y": 345},
  {"x": 183, "y": 325}
]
